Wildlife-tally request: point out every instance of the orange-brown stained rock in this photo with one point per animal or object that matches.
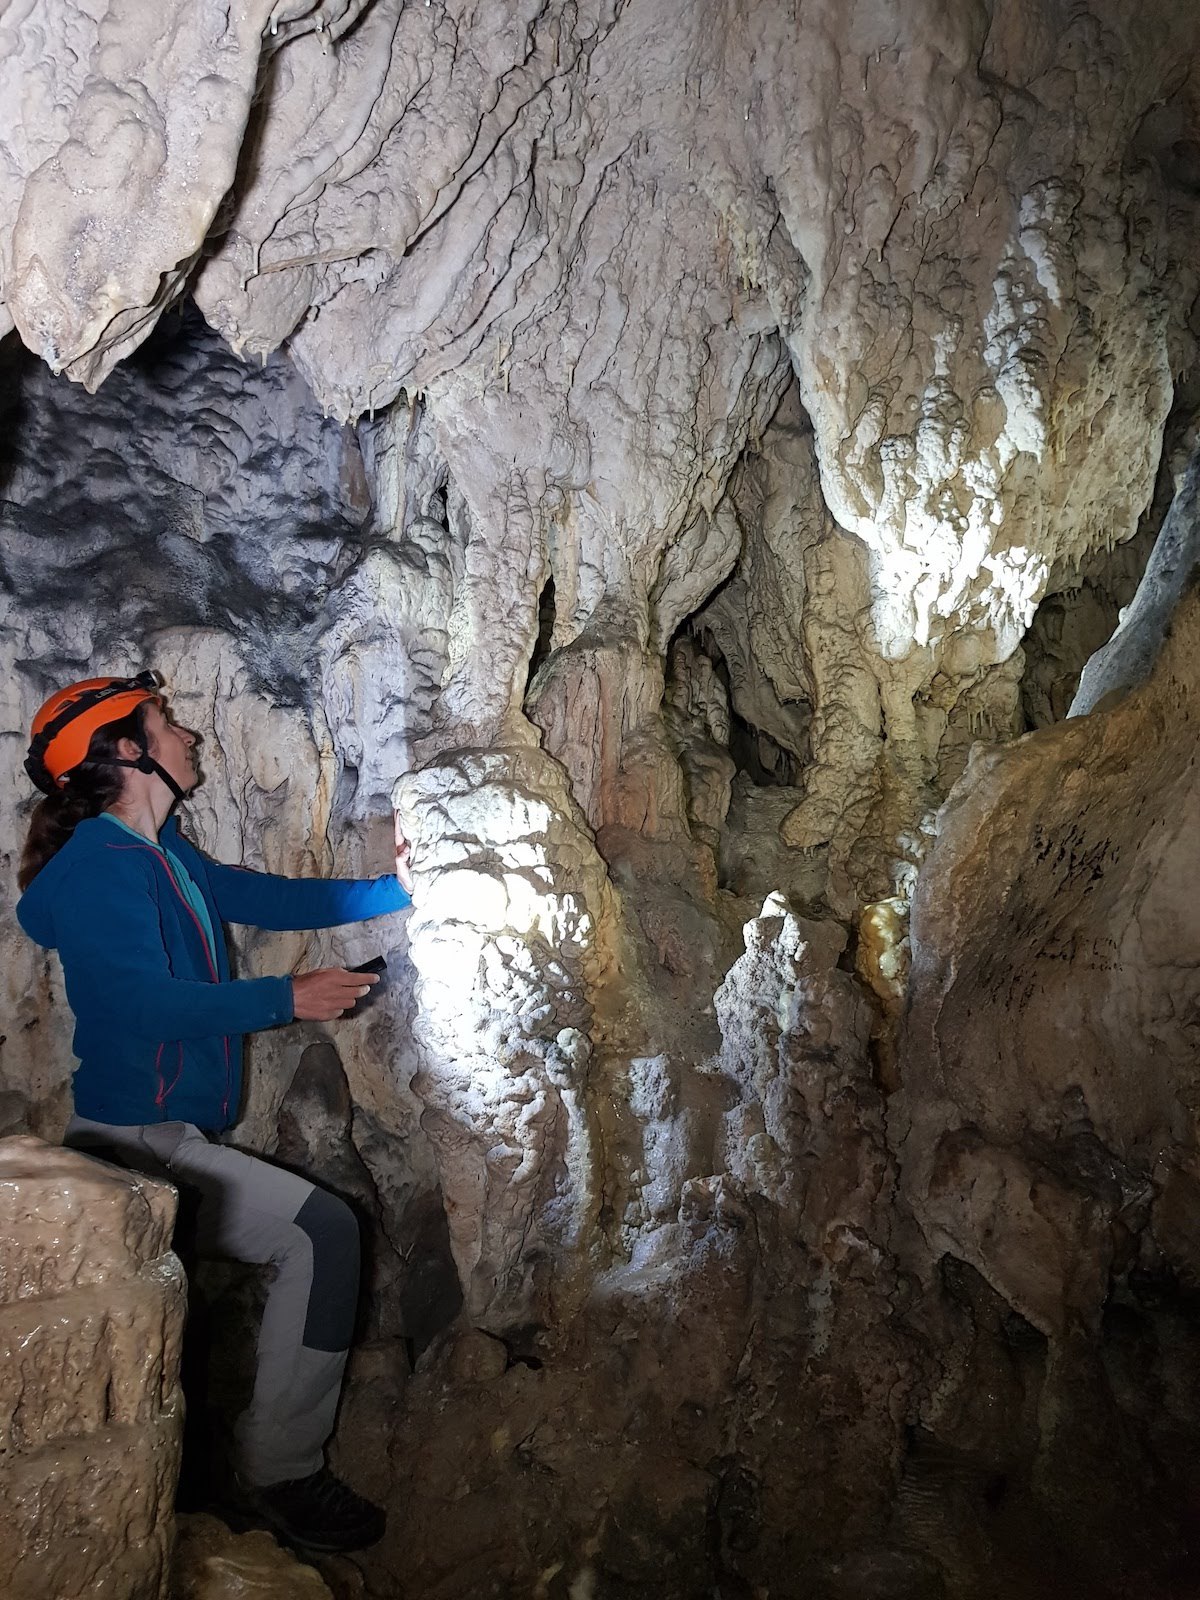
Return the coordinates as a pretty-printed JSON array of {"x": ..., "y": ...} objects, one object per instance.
[{"x": 91, "y": 1315}]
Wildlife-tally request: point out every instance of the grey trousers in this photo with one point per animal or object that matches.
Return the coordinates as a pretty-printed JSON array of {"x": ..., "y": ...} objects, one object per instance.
[{"x": 252, "y": 1211}]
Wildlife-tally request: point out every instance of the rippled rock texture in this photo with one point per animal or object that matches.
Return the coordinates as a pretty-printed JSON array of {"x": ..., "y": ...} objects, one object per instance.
[{"x": 650, "y": 446}]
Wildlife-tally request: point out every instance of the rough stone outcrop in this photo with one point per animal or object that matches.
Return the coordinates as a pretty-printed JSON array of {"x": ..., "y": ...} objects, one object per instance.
[
  {"x": 740, "y": 1298},
  {"x": 91, "y": 1316},
  {"x": 512, "y": 936},
  {"x": 1049, "y": 1058},
  {"x": 212, "y": 1563},
  {"x": 1044, "y": 1128}
]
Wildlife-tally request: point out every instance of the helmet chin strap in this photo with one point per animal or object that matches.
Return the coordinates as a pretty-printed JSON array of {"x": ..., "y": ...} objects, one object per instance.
[{"x": 147, "y": 764}]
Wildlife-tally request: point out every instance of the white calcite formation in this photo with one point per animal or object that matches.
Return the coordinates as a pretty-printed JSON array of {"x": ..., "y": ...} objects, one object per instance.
[{"x": 649, "y": 446}]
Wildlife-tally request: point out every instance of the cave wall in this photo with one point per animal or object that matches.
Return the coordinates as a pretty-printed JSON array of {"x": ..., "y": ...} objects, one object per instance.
[
  {"x": 209, "y": 521},
  {"x": 635, "y": 441},
  {"x": 1049, "y": 1049},
  {"x": 596, "y": 241}
]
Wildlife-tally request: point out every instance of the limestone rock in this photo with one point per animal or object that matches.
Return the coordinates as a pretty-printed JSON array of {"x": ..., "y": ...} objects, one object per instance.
[
  {"x": 1049, "y": 1037},
  {"x": 661, "y": 425},
  {"x": 1128, "y": 657},
  {"x": 807, "y": 1132},
  {"x": 213, "y": 1563},
  {"x": 973, "y": 258},
  {"x": 91, "y": 1317},
  {"x": 511, "y": 937}
]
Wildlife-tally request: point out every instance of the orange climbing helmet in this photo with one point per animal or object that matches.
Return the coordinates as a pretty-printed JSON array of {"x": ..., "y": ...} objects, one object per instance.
[{"x": 63, "y": 728}]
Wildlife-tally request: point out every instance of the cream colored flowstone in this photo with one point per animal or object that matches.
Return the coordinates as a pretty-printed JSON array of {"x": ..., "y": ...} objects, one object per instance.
[{"x": 91, "y": 1315}]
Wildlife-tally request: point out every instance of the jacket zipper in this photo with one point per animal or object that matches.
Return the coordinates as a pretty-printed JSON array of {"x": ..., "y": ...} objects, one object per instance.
[
  {"x": 160, "y": 1098},
  {"x": 164, "y": 1088}
]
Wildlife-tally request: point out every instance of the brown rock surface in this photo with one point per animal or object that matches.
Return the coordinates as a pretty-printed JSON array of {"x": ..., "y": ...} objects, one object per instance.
[{"x": 1049, "y": 1053}]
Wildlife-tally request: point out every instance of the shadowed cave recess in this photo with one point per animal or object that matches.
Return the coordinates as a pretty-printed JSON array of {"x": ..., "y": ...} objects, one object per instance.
[{"x": 681, "y": 458}]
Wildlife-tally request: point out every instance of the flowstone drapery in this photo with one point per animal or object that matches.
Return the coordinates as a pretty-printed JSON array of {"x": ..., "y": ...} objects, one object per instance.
[{"x": 593, "y": 242}]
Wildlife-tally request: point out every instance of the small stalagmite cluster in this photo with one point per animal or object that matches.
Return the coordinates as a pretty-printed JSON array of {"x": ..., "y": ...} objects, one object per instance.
[{"x": 724, "y": 476}]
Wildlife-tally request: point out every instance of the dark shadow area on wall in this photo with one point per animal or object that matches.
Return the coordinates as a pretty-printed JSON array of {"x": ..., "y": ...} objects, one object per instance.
[
  {"x": 766, "y": 762},
  {"x": 191, "y": 489},
  {"x": 15, "y": 360},
  {"x": 1082, "y": 608},
  {"x": 545, "y": 633}
]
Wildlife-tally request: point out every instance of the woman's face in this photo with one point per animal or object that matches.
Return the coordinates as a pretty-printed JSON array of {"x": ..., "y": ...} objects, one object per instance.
[{"x": 173, "y": 747}]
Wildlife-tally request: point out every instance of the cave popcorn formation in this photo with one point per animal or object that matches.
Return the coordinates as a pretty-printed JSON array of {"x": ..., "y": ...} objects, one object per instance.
[{"x": 671, "y": 453}]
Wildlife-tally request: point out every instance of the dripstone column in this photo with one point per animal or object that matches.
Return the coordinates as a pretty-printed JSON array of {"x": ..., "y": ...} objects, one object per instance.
[{"x": 91, "y": 1315}]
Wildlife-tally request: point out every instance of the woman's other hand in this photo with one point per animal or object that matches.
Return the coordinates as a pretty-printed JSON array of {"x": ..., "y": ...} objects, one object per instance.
[
  {"x": 329, "y": 992},
  {"x": 403, "y": 864}
]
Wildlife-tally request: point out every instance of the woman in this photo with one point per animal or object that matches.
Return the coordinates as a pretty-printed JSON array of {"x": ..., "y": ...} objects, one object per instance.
[{"x": 135, "y": 913}]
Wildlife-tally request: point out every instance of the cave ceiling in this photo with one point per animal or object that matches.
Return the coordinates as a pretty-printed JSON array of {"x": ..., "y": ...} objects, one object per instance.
[{"x": 599, "y": 241}]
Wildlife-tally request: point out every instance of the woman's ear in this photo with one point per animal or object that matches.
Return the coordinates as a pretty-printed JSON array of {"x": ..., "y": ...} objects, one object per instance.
[{"x": 128, "y": 750}]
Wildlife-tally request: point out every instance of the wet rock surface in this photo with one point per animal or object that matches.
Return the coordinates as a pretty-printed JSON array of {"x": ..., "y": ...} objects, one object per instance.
[{"x": 211, "y": 1562}]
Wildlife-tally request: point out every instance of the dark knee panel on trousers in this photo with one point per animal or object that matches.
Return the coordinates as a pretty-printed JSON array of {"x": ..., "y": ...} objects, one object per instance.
[{"x": 333, "y": 1230}]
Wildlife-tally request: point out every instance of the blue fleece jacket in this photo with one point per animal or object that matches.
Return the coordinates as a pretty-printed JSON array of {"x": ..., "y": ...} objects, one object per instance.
[{"x": 158, "y": 1022}]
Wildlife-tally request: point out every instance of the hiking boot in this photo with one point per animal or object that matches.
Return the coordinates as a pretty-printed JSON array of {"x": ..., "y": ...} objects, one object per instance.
[{"x": 318, "y": 1513}]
